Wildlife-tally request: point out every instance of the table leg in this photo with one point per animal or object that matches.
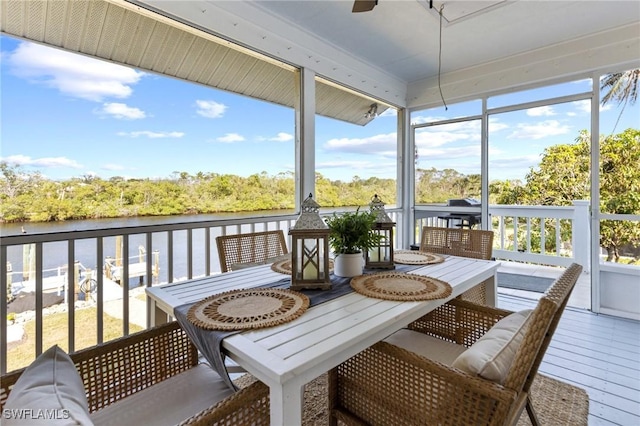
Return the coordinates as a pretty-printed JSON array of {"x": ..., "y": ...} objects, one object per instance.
[
  {"x": 286, "y": 404},
  {"x": 491, "y": 291},
  {"x": 155, "y": 315}
]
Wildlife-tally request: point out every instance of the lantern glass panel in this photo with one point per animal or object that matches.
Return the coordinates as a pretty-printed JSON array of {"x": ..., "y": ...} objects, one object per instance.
[
  {"x": 309, "y": 261},
  {"x": 381, "y": 256}
]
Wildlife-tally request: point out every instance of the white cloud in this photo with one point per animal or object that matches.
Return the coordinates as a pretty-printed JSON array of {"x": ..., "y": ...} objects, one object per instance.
[
  {"x": 420, "y": 119},
  {"x": 151, "y": 135},
  {"x": 282, "y": 137},
  {"x": 517, "y": 163},
  {"x": 122, "y": 111},
  {"x": 448, "y": 133},
  {"x": 379, "y": 167},
  {"x": 230, "y": 138},
  {"x": 345, "y": 164},
  {"x": 113, "y": 167},
  {"x": 539, "y": 130},
  {"x": 542, "y": 111},
  {"x": 448, "y": 153},
  {"x": 378, "y": 144},
  {"x": 72, "y": 74},
  {"x": 495, "y": 125},
  {"x": 210, "y": 109},
  {"x": 47, "y": 162},
  {"x": 389, "y": 112},
  {"x": 438, "y": 138},
  {"x": 584, "y": 106}
]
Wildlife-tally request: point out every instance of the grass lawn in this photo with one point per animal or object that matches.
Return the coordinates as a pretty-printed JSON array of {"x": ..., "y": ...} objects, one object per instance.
[{"x": 21, "y": 354}]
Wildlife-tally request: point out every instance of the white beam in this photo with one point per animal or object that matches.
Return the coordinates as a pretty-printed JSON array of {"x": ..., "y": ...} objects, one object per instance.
[{"x": 606, "y": 51}]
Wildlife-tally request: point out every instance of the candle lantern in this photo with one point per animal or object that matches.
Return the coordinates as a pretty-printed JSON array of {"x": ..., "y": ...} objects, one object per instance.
[
  {"x": 310, "y": 249},
  {"x": 381, "y": 255}
]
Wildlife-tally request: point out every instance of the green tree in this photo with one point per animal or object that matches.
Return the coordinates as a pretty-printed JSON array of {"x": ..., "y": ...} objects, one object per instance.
[
  {"x": 620, "y": 87},
  {"x": 620, "y": 190},
  {"x": 437, "y": 186},
  {"x": 17, "y": 189},
  {"x": 506, "y": 192},
  {"x": 563, "y": 176}
]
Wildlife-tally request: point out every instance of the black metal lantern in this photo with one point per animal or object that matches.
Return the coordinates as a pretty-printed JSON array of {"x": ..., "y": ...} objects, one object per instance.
[
  {"x": 310, "y": 249},
  {"x": 381, "y": 255}
]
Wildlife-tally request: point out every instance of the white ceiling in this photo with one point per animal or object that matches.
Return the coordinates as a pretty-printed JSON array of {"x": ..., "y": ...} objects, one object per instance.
[
  {"x": 391, "y": 52},
  {"x": 401, "y": 37}
]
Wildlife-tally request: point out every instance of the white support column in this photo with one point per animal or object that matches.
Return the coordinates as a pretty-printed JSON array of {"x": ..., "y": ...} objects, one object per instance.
[
  {"x": 581, "y": 234},
  {"x": 484, "y": 167},
  {"x": 305, "y": 136},
  {"x": 595, "y": 195},
  {"x": 405, "y": 185}
]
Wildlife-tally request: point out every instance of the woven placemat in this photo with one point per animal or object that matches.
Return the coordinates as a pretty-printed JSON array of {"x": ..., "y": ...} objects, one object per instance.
[
  {"x": 284, "y": 266},
  {"x": 248, "y": 309},
  {"x": 400, "y": 286},
  {"x": 415, "y": 257}
]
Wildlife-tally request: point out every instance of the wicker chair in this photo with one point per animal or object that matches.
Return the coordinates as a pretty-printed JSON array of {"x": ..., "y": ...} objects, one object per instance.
[
  {"x": 140, "y": 373},
  {"x": 474, "y": 243},
  {"x": 250, "y": 248},
  {"x": 388, "y": 385}
]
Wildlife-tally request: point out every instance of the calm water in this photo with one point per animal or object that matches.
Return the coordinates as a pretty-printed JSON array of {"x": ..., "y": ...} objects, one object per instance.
[{"x": 55, "y": 254}]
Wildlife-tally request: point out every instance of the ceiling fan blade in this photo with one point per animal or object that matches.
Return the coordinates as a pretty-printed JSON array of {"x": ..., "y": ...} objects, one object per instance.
[{"x": 363, "y": 5}]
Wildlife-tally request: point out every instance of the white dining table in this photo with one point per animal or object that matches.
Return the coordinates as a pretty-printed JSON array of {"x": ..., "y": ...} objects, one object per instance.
[{"x": 288, "y": 356}]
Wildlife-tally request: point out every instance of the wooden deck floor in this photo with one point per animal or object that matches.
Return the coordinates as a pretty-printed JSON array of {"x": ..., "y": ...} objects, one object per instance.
[{"x": 599, "y": 353}]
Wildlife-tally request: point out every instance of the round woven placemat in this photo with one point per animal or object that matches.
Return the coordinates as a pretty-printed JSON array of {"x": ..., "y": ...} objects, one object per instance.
[
  {"x": 415, "y": 257},
  {"x": 400, "y": 286},
  {"x": 248, "y": 309},
  {"x": 284, "y": 266}
]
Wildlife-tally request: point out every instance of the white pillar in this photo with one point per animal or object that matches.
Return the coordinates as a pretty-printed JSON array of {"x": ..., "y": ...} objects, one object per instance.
[
  {"x": 406, "y": 178},
  {"x": 305, "y": 136},
  {"x": 581, "y": 234}
]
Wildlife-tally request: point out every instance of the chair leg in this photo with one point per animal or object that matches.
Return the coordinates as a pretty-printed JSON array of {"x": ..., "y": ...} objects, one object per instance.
[
  {"x": 333, "y": 395},
  {"x": 532, "y": 413}
]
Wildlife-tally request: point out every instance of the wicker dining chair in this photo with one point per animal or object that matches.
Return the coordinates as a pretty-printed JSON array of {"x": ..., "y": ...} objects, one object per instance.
[
  {"x": 414, "y": 377},
  {"x": 474, "y": 243},
  {"x": 250, "y": 248},
  {"x": 150, "y": 377}
]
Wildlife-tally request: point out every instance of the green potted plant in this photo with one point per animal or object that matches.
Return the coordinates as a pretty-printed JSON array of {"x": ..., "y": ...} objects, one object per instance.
[{"x": 351, "y": 233}]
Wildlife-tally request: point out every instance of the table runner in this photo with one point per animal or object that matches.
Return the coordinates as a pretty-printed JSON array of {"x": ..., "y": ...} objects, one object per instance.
[{"x": 209, "y": 342}]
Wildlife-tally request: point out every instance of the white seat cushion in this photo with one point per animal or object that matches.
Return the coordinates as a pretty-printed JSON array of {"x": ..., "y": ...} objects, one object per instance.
[
  {"x": 426, "y": 346},
  {"x": 50, "y": 387},
  {"x": 168, "y": 402},
  {"x": 491, "y": 355}
]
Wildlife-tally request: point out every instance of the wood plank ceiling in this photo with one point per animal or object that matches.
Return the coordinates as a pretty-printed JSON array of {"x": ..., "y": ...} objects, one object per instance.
[{"x": 145, "y": 40}]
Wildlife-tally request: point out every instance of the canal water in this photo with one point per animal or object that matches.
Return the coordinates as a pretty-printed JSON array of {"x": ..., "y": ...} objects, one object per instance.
[{"x": 55, "y": 254}]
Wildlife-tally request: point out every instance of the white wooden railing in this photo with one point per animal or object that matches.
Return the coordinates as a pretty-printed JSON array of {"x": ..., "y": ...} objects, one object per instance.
[
  {"x": 565, "y": 235},
  {"x": 525, "y": 221},
  {"x": 200, "y": 244},
  {"x": 199, "y": 250}
]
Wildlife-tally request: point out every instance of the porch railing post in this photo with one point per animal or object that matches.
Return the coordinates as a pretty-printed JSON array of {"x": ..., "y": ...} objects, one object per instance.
[{"x": 581, "y": 233}]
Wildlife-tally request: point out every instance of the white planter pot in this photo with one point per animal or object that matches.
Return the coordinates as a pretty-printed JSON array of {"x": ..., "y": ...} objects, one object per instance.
[{"x": 348, "y": 265}]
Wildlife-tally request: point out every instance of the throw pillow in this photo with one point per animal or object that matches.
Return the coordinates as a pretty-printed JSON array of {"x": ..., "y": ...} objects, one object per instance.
[
  {"x": 491, "y": 355},
  {"x": 49, "y": 391}
]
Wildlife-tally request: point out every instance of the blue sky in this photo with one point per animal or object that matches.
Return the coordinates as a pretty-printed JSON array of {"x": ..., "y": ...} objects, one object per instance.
[{"x": 68, "y": 115}]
